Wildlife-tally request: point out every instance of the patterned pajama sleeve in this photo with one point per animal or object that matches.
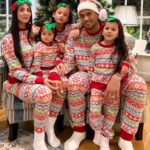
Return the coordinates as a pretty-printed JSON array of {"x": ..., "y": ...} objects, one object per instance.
[
  {"x": 15, "y": 68},
  {"x": 69, "y": 57}
]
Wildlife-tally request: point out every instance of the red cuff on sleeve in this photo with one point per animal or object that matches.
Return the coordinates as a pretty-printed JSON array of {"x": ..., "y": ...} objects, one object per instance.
[
  {"x": 124, "y": 63},
  {"x": 125, "y": 76},
  {"x": 79, "y": 129},
  {"x": 126, "y": 136},
  {"x": 39, "y": 80},
  {"x": 57, "y": 62},
  {"x": 39, "y": 74},
  {"x": 62, "y": 53},
  {"x": 54, "y": 76},
  {"x": 12, "y": 80},
  {"x": 99, "y": 86}
]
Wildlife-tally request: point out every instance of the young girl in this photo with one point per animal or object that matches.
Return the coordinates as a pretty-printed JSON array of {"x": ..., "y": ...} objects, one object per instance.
[
  {"x": 63, "y": 18},
  {"x": 17, "y": 50},
  {"x": 46, "y": 51},
  {"x": 110, "y": 56},
  {"x": 46, "y": 54}
]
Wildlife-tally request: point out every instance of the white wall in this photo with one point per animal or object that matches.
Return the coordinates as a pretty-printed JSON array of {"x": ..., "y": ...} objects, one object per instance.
[
  {"x": 35, "y": 3},
  {"x": 143, "y": 59}
]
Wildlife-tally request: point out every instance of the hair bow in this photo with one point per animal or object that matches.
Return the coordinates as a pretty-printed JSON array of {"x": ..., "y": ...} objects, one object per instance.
[
  {"x": 113, "y": 19},
  {"x": 21, "y": 2},
  {"x": 17, "y": 3},
  {"x": 49, "y": 26}
]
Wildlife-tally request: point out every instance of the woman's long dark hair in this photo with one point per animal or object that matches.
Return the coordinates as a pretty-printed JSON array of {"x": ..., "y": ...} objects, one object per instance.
[
  {"x": 121, "y": 47},
  {"x": 14, "y": 30}
]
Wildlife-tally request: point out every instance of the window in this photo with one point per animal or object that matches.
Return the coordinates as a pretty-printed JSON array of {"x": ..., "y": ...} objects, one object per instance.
[
  {"x": 142, "y": 7},
  {"x": 144, "y": 18},
  {"x": 5, "y": 14}
]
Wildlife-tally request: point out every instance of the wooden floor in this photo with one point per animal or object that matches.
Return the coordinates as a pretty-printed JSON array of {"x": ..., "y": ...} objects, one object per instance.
[{"x": 88, "y": 144}]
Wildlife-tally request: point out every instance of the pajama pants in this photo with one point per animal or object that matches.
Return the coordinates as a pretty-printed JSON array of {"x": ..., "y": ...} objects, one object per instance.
[
  {"x": 57, "y": 99},
  {"x": 133, "y": 99},
  {"x": 133, "y": 94},
  {"x": 38, "y": 94},
  {"x": 103, "y": 112},
  {"x": 78, "y": 86}
]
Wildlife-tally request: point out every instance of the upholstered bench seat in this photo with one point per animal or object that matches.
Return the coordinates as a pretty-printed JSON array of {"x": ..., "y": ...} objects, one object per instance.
[{"x": 17, "y": 111}]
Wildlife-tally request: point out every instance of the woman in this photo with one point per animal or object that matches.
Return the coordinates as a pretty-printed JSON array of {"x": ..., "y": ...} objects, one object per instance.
[{"x": 17, "y": 48}]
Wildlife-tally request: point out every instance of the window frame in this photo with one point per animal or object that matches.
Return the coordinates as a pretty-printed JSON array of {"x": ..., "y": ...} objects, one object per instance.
[
  {"x": 141, "y": 18},
  {"x": 7, "y": 15}
]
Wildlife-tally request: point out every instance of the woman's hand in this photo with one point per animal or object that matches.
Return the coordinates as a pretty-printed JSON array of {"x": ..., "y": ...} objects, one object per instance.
[
  {"x": 113, "y": 88},
  {"x": 35, "y": 30},
  {"x": 54, "y": 85},
  {"x": 61, "y": 68}
]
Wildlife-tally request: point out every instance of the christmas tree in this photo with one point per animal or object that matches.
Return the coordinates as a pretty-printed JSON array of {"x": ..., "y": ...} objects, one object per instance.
[{"x": 45, "y": 10}]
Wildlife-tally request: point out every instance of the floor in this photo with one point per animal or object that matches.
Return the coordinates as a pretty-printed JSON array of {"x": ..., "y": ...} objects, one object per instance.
[{"x": 88, "y": 144}]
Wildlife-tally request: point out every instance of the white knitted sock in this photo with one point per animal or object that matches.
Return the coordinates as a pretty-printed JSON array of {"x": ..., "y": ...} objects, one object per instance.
[
  {"x": 75, "y": 140},
  {"x": 104, "y": 143},
  {"x": 39, "y": 142},
  {"x": 49, "y": 128},
  {"x": 125, "y": 145},
  {"x": 97, "y": 138}
]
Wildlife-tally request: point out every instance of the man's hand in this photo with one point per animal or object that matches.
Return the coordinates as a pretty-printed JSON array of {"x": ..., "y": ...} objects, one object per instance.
[
  {"x": 74, "y": 34},
  {"x": 113, "y": 88}
]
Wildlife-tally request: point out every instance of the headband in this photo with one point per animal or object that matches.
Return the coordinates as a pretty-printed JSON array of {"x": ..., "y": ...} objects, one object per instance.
[
  {"x": 62, "y": 5},
  {"x": 49, "y": 26},
  {"x": 113, "y": 19},
  {"x": 15, "y": 5}
]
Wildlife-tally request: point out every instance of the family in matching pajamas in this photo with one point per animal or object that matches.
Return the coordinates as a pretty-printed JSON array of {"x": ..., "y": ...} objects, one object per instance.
[{"x": 36, "y": 74}]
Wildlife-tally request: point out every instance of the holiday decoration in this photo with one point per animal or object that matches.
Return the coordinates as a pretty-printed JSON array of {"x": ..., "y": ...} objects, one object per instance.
[{"x": 45, "y": 9}]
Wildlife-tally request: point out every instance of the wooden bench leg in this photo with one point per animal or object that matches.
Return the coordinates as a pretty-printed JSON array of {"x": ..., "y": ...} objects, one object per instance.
[
  {"x": 60, "y": 123},
  {"x": 139, "y": 134},
  {"x": 13, "y": 130},
  {"x": 89, "y": 132}
]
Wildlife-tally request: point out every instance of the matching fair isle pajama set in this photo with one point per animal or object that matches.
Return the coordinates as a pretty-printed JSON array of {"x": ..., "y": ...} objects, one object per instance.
[
  {"x": 133, "y": 91},
  {"x": 22, "y": 83},
  {"x": 103, "y": 112}
]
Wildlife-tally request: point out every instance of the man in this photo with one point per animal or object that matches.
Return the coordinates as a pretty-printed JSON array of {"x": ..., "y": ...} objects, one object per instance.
[{"x": 78, "y": 56}]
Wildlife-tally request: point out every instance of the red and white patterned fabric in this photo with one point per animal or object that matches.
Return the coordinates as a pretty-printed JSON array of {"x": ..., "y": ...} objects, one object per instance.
[
  {"x": 46, "y": 57},
  {"x": 22, "y": 83},
  {"x": 133, "y": 88}
]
